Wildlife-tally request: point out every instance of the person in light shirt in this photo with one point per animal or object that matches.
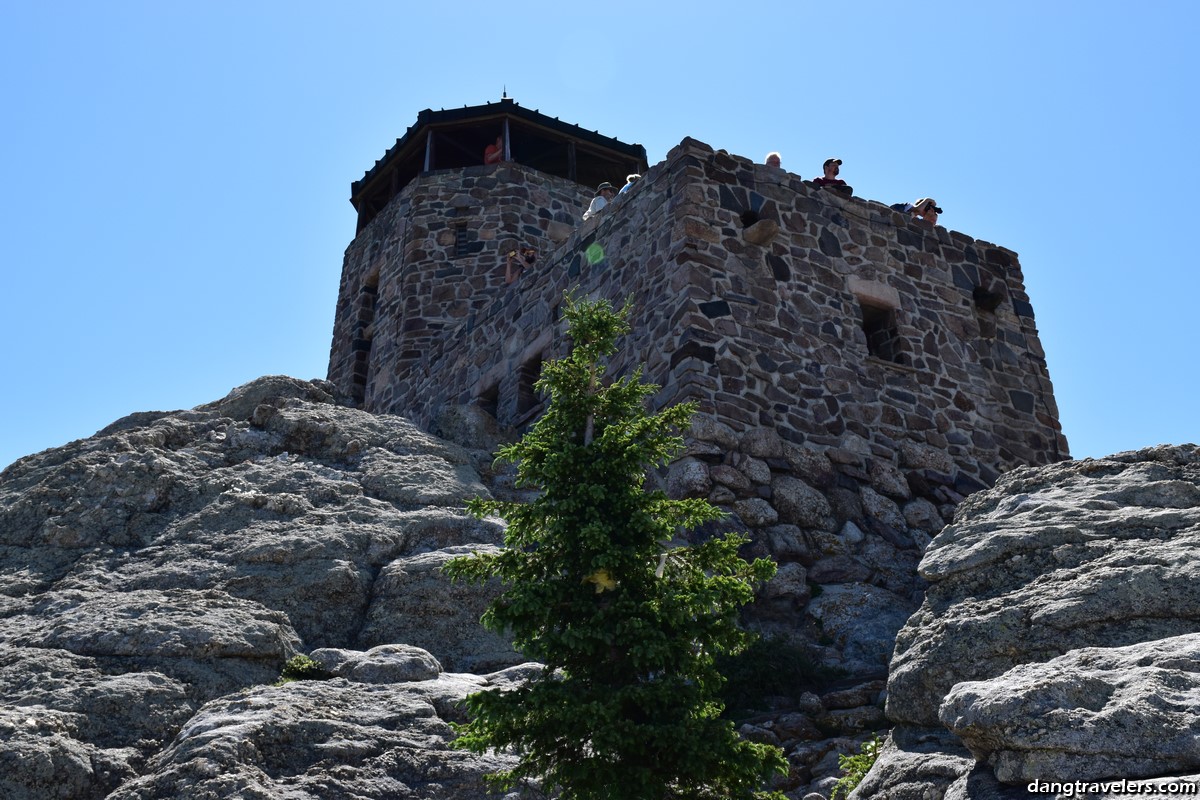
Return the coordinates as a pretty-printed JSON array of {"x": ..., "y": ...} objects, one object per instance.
[{"x": 604, "y": 194}]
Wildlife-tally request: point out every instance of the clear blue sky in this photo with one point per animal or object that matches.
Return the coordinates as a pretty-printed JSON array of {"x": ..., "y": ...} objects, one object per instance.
[{"x": 174, "y": 176}]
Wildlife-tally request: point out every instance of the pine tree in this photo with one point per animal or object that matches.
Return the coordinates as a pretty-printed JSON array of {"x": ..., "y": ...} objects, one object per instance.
[{"x": 627, "y": 625}]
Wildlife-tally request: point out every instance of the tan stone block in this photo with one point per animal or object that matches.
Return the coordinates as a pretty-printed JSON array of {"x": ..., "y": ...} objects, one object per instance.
[
  {"x": 558, "y": 231},
  {"x": 762, "y": 232},
  {"x": 695, "y": 229},
  {"x": 874, "y": 292}
]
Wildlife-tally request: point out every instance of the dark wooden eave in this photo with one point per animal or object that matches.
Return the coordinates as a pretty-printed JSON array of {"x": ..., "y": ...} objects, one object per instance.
[{"x": 458, "y": 132}]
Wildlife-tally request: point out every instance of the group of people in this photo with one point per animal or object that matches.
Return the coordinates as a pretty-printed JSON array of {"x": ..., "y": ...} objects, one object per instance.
[
  {"x": 925, "y": 208},
  {"x": 606, "y": 193}
]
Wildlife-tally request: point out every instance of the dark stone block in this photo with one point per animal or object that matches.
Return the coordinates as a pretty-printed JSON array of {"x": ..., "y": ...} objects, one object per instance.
[
  {"x": 756, "y": 202},
  {"x": 965, "y": 484},
  {"x": 971, "y": 254},
  {"x": 532, "y": 230},
  {"x": 716, "y": 308},
  {"x": 766, "y": 362},
  {"x": 908, "y": 238},
  {"x": 779, "y": 268},
  {"x": 889, "y": 534},
  {"x": 829, "y": 244},
  {"x": 988, "y": 475},
  {"x": 838, "y": 569},
  {"x": 933, "y": 476},
  {"x": 1022, "y": 308},
  {"x": 730, "y": 201},
  {"x": 902, "y": 396},
  {"x": 963, "y": 280},
  {"x": 998, "y": 257},
  {"x": 1022, "y": 401},
  {"x": 919, "y": 485},
  {"x": 693, "y": 349}
]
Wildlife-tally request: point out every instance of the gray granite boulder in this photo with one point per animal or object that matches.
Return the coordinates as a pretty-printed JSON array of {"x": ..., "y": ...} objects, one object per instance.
[
  {"x": 1094, "y": 713},
  {"x": 1057, "y": 642},
  {"x": 1079, "y": 554},
  {"x": 323, "y": 739},
  {"x": 181, "y": 558}
]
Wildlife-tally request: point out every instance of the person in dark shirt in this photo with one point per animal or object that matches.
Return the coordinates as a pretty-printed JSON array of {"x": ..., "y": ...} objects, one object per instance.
[{"x": 831, "y": 168}]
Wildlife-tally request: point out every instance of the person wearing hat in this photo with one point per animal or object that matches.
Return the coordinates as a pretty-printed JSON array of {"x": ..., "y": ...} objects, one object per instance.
[
  {"x": 925, "y": 208},
  {"x": 831, "y": 167},
  {"x": 604, "y": 193}
]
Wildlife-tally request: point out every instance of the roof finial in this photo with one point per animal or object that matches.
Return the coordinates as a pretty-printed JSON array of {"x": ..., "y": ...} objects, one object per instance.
[{"x": 504, "y": 92}]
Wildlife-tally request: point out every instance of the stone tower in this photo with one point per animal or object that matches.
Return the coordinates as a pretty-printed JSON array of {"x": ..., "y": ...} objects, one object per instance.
[
  {"x": 834, "y": 322},
  {"x": 858, "y": 372}
]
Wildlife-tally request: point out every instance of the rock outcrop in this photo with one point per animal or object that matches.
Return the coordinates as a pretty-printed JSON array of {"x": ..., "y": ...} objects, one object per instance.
[
  {"x": 1059, "y": 640},
  {"x": 157, "y": 576}
]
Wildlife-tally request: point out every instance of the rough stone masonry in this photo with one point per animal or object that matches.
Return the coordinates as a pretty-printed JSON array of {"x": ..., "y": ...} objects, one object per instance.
[{"x": 833, "y": 321}]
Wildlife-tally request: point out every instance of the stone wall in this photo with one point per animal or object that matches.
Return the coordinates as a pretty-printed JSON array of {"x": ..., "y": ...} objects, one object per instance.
[
  {"x": 435, "y": 256},
  {"x": 837, "y": 323},
  {"x": 858, "y": 373}
]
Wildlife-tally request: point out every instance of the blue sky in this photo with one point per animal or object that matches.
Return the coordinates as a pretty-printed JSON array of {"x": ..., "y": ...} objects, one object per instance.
[{"x": 174, "y": 176}]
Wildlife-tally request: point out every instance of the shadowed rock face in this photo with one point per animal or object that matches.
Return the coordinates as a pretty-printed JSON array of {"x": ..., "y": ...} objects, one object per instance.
[
  {"x": 177, "y": 558},
  {"x": 1059, "y": 639}
]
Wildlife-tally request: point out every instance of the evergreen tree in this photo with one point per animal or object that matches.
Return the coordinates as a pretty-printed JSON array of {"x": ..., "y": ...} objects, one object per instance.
[{"x": 627, "y": 625}]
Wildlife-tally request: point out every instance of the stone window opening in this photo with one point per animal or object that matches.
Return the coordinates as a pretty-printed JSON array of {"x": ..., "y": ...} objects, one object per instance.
[
  {"x": 757, "y": 229},
  {"x": 883, "y": 335},
  {"x": 529, "y": 403},
  {"x": 462, "y": 247},
  {"x": 986, "y": 303},
  {"x": 489, "y": 400}
]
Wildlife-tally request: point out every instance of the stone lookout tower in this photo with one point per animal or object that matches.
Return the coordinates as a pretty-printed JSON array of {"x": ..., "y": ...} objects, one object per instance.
[{"x": 808, "y": 324}]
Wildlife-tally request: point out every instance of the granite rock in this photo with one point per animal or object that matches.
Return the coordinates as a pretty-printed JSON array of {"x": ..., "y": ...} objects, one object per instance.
[
  {"x": 180, "y": 558},
  {"x": 1057, "y": 640}
]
